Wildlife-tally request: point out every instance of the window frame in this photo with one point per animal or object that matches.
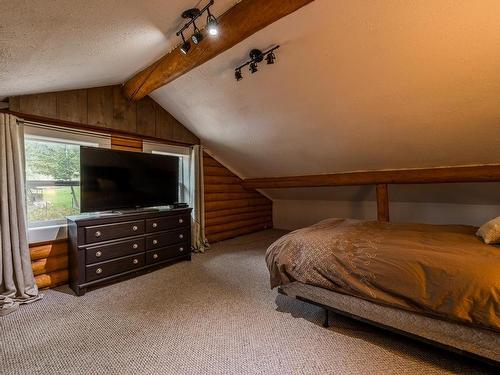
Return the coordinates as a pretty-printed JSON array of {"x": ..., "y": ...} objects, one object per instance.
[{"x": 51, "y": 230}]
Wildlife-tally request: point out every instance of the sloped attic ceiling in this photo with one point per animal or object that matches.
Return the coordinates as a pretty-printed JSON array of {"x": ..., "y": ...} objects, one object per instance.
[
  {"x": 358, "y": 85},
  {"x": 59, "y": 44}
]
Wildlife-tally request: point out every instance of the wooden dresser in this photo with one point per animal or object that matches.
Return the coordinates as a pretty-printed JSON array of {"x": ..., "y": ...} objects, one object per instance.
[{"x": 104, "y": 248}]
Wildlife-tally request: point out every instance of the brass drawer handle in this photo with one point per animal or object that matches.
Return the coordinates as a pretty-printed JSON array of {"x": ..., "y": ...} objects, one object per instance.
[
  {"x": 181, "y": 221},
  {"x": 134, "y": 228},
  {"x": 181, "y": 249},
  {"x": 155, "y": 242},
  {"x": 155, "y": 225},
  {"x": 135, "y": 261},
  {"x": 155, "y": 256},
  {"x": 181, "y": 236},
  {"x": 98, "y": 254},
  {"x": 135, "y": 246},
  {"x": 98, "y": 234},
  {"x": 98, "y": 271}
]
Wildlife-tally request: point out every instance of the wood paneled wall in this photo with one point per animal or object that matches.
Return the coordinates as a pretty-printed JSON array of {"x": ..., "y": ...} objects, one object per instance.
[
  {"x": 104, "y": 108},
  {"x": 230, "y": 209},
  {"x": 50, "y": 263}
]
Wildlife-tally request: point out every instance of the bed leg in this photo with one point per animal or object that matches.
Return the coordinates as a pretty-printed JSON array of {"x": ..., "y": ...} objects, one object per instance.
[{"x": 326, "y": 322}]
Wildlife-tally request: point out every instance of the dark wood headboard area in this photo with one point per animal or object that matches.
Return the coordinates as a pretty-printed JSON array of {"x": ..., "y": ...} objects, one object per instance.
[{"x": 476, "y": 173}]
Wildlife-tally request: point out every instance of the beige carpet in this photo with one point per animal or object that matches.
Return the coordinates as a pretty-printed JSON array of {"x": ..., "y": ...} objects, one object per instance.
[{"x": 214, "y": 315}]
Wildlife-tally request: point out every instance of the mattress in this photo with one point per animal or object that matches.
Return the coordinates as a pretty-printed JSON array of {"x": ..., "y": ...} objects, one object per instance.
[{"x": 479, "y": 342}]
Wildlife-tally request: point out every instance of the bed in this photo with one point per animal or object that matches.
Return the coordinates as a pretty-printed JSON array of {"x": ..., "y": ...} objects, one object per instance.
[{"x": 438, "y": 283}]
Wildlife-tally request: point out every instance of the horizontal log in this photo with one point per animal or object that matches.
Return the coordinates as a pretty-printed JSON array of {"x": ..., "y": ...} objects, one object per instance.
[
  {"x": 50, "y": 264},
  {"x": 222, "y": 180},
  {"x": 237, "y": 210},
  {"x": 222, "y": 205},
  {"x": 126, "y": 148},
  {"x": 214, "y": 229},
  {"x": 238, "y": 232},
  {"x": 47, "y": 250},
  {"x": 268, "y": 213},
  {"x": 217, "y": 171},
  {"x": 234, "y": 188},
  {"x": 126, "y": 141},
  {"x": 52, "y": 279},
  {"x": 481, "y": 173},
  {"x": 214, "y": 197},
  {"x": 208, "y": 161}
]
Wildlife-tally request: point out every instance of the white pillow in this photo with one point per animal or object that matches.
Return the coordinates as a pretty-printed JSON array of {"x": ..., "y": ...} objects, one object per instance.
[{"x": 490, "y": 232}]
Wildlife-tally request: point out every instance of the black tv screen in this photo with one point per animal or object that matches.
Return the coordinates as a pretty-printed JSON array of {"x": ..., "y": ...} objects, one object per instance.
[{"x": 112, "y": 179}]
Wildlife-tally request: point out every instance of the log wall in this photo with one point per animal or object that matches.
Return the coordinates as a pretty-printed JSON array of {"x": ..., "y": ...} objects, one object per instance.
[
  {"x": 230, "y": 209},
  {"x": 50, "y": 263}
]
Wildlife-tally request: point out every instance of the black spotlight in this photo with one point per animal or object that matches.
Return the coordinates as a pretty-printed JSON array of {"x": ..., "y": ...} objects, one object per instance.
[
  {"x": 197, "y": 37},
  {"x": 253, "y": 67},
  {"x": 238, "y": 75},
  {"x": 270, "y": 58},
  {"x": 185, "y": 45}
]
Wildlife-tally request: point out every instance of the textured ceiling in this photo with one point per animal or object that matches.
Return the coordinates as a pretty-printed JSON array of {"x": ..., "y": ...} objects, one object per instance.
[
  {"x": 358, "y": 85},
  {"x": 50, "y": 45}
]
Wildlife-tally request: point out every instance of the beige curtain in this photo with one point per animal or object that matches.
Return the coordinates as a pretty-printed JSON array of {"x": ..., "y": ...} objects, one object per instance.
[
  {"x": 196, "y": 201},
  {"x": 17, "y": 283}
]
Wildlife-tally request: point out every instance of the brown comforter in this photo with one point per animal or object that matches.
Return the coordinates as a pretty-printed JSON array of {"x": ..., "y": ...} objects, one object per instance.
[{"x": 439, "y": 270}]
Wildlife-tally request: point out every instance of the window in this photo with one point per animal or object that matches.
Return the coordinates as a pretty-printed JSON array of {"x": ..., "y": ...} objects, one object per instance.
[
  {"x": 183, "y": 153},
  {"x": 52, "y": 165}
]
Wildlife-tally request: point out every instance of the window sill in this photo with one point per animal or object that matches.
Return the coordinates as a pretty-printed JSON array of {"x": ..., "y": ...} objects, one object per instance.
[{"x": 47, "y": 233}]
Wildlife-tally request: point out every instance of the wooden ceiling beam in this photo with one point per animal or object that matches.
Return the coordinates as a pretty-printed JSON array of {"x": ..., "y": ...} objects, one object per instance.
[
  {"x": 480, "y": 173},
  {"x": 238, "y": 23}
]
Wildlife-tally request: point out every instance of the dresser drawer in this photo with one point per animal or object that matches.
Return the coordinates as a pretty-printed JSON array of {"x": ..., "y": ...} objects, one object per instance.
[
  {"x": 106, "y": 232},
  {"x": 166, "y": 253},
  {"x": 103, "y": 252},
  {"x": 113, "y": 267},
  {"x": 167, "y": 222},
  {"x": 163, "y": 239}
]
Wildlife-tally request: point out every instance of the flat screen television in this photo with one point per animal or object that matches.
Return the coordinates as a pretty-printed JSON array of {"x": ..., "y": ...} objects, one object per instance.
[{"x": 112, "y": 179}]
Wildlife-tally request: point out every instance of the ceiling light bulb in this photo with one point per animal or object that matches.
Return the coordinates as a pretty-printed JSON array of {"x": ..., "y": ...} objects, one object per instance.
[{"x": 212, "y": 25}]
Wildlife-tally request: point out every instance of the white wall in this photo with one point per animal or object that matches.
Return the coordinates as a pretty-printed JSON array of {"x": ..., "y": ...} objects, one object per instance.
[{"x": 294, "y": 214}]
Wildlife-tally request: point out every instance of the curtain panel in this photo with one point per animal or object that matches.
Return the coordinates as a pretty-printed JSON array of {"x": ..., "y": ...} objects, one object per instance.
[
  {"x": 17, "y": 282},
  {"x": 196, "y": 200}
]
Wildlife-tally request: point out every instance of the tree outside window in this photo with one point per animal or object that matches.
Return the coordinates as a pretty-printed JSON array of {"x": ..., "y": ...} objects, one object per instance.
[{"x": 52, "y": 180}]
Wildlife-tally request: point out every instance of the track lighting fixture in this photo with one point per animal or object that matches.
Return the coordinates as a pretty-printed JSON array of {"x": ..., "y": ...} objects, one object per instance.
[
  {"x": 256, "y": 56},
  {"x": 185, "y": 46},
  {"x": 193, "y": 14}
]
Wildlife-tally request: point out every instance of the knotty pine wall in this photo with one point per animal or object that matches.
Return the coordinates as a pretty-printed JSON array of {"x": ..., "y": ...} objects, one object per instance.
[
  {"x": 230, "y": 209},
  {"x": 103, "y": 109}
]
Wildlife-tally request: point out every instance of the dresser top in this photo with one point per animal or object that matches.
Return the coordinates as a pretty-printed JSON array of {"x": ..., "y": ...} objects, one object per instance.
[{"x": 99, "y": 218}]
